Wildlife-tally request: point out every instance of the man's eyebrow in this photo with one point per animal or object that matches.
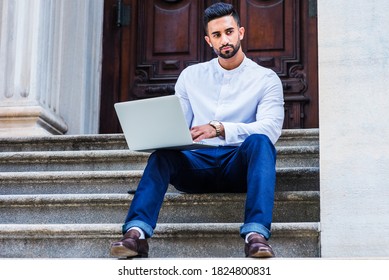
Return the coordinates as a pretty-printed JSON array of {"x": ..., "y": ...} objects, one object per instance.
[{"x": 218, "y": 32}]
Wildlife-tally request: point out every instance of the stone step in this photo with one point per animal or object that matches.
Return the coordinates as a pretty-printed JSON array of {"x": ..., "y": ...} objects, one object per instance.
[
  {"x": 72, "y": 182},
  {"x": 289, "y": 137},
  {"x": 72, "y": 161},
  {"x": 64, "y": 143},
  {"x": 296, "y": 156},
  {"x": 289, "y": 240},
  {"x": 299, "y": 137},
  {"x": 66, "y": 197},
  {"x": 177, "y": 208}
]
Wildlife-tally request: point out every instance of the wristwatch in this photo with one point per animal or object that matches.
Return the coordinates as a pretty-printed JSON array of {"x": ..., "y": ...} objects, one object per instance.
[{"x": 217, "y": 126}]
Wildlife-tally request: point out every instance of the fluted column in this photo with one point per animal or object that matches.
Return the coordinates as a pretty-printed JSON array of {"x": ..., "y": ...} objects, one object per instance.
[
  {"x": 28, "y": 97},
  {"x": 50, "y": 66}
]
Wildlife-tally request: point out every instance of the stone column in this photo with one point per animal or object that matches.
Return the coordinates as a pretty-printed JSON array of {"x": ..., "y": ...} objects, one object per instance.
[
  {"x": 28, "y": 101},
  {"x": 50, "y": 66}
]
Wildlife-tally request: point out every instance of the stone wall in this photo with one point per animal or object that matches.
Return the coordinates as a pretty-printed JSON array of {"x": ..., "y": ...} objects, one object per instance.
[{"x": 354, "y": 127}]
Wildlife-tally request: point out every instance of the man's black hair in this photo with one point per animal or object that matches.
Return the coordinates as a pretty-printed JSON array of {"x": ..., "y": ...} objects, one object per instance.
[{"x": 219, "y": 10}]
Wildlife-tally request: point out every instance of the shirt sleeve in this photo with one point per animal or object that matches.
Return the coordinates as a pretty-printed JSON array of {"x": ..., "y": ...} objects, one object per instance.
[
  {"x": 269, "y": 116},
  {"x": 181, "y": 93}
]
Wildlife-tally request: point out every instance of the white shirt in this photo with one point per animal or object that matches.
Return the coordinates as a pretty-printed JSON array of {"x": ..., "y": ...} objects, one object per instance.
[{"x": 247, "y": 100}]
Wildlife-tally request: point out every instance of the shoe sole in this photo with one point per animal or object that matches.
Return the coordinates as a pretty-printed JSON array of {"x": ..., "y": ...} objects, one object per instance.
[
  {"x": 123, "y": 252},
  {"x": 262, "y": 254}
]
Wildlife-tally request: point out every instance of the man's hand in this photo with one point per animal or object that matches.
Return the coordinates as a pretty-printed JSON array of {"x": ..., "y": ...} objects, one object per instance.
[{"x": 205, "y": 131}]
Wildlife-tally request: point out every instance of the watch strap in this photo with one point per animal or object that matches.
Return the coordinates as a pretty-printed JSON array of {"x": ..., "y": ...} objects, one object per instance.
[{"x": 217, "y": 126}]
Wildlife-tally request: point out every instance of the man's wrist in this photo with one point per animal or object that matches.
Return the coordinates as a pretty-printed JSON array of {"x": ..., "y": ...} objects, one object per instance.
[{"x": 217, "y": 126}]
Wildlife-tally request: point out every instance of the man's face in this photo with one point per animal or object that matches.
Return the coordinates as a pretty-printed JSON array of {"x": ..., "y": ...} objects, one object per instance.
[{"x": 224, "y": 36}]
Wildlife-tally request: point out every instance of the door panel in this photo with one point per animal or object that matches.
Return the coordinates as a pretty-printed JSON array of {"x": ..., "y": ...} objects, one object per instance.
[
  {"x": 276, "y": 33},
  {"x": 144, "y": 59},
  {"x": 168, "y": 40}
]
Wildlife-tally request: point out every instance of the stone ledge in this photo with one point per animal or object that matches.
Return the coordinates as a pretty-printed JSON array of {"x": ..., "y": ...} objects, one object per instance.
[
  {"x": 124, "y": 159},
  {"x": 44, "y": 200},
  {"x": 177, "y": 208},
  {"x": 292, "y": 137},
  {"x": 170, "y": 240},
  {"x": 122, "y": 181}
]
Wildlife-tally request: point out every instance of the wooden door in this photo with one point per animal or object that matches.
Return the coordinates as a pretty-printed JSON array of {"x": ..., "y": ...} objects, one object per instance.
[{"x": 145, "y": 50}]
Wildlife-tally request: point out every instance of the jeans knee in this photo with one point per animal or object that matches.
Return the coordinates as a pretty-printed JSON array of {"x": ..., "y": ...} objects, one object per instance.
[
  {"x": 163, "y": 155},
  {"x": 165, "y": 159},
  {"x": 257, "y": 140},
  {"x": 259, "y": 143}
]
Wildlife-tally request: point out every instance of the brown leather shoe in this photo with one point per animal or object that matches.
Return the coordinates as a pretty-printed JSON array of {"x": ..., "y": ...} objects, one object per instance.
[
  {"x": 130, "y": 246},
  {"x": 257, "y": 247}
]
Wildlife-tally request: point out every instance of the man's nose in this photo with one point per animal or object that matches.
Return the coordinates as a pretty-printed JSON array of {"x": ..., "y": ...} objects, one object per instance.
[{"x": 225, "y": 40}]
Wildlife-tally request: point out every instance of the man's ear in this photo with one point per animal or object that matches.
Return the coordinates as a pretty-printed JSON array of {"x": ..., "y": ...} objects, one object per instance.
[
  {"x": 208, "y": 41},
  {"x": 241, "y": 33}
]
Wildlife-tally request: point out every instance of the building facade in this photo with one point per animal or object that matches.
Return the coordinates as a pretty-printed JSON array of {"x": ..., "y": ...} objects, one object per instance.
[{"x": 50, "y": 78}]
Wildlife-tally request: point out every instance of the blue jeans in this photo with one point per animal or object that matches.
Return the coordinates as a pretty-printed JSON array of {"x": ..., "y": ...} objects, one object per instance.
[{"x": 249, "y": 168}]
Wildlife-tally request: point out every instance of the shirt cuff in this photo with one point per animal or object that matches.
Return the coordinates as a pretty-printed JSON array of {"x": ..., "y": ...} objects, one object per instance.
[{"x": 231, "y": 135}]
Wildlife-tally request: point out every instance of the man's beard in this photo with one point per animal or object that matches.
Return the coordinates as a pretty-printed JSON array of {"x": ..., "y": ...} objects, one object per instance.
[{"x": 228, "y": 54}]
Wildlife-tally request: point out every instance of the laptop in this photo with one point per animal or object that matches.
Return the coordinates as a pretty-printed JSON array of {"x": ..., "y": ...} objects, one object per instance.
[{"x": 156, "y": 123}]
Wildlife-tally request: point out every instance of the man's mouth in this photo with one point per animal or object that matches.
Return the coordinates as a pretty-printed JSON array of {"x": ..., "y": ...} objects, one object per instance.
[{"x": 226, "y": 48}]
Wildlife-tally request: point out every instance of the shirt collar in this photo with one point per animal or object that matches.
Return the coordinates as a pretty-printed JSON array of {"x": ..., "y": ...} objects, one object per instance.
[{"x": 235, "y": 70}]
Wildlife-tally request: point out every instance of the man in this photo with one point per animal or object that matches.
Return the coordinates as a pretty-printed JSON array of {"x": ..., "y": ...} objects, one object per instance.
[{"x": 234, "y": 103}]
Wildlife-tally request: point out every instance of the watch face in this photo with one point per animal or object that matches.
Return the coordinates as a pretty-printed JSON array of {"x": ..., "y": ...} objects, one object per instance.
[{"x": 215, "y": 123}]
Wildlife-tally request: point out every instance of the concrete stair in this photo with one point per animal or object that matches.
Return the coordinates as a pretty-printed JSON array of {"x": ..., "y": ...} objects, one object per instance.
[{"x": 67, "y": 196}]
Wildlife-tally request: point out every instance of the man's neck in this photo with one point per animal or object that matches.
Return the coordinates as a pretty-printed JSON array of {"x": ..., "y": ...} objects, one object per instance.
[{"x": 233, "y": 62}]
